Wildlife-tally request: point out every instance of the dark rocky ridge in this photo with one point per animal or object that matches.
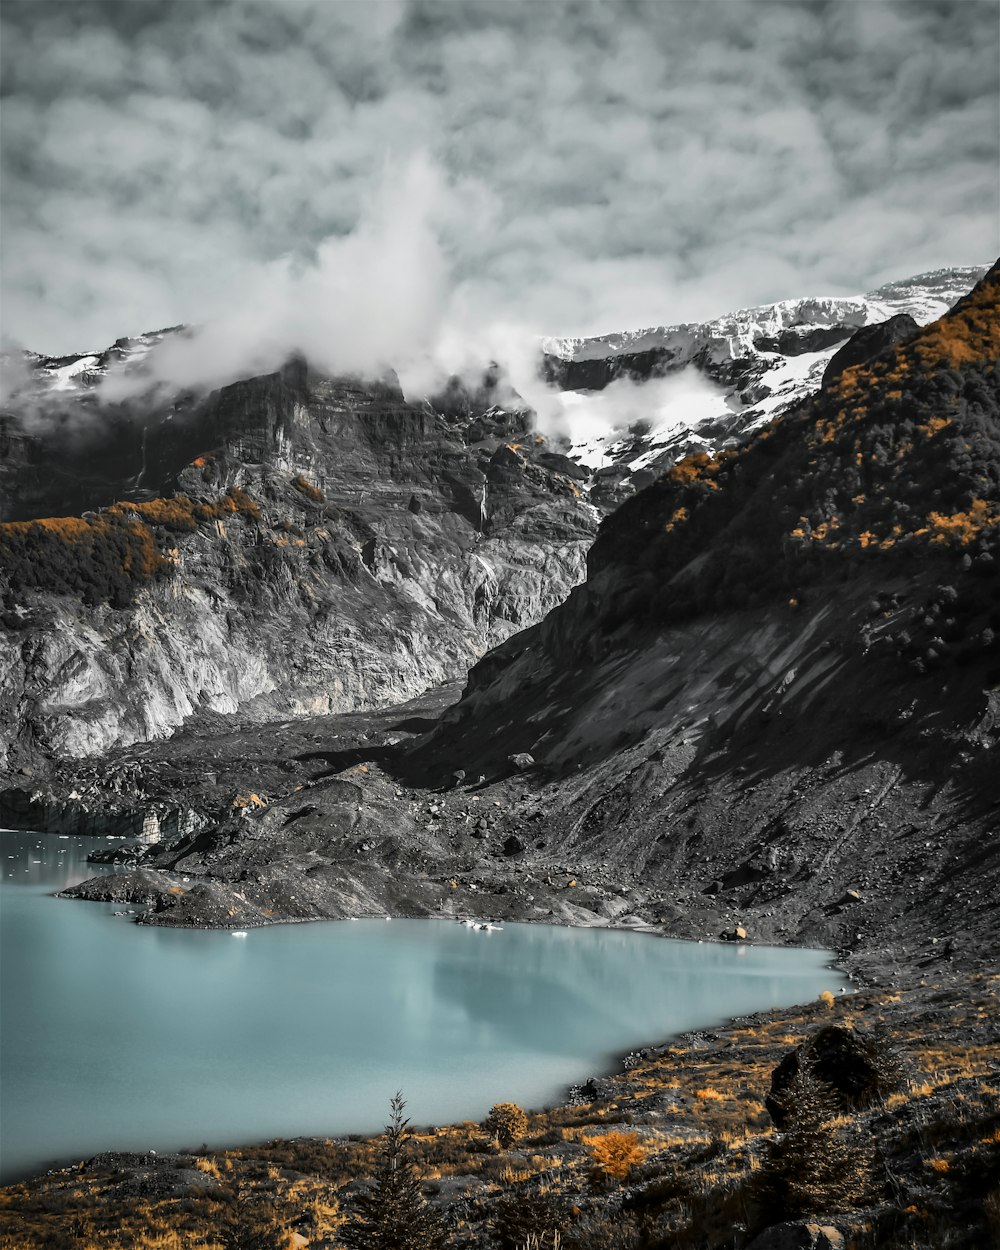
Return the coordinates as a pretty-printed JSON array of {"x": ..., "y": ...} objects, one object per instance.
[
  {"x": 781, "y": 742},
  {"x": 867, "y": 342}
]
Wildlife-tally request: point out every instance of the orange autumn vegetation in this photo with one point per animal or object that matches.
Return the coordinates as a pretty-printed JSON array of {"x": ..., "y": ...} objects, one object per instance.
[
  {"x": 963, "y": 527},
  {"x": 700, "y": 468},
  {"x": 104, "y": 538},
  {"x": 182, "y": 513},
  {"x": 969, "y": 336},
  {"x": 305, "y": 487},
  {"x": 615, "y": 1154},
  {"x": 105, "y": 556},
  {"x": 679, "y": 516}
]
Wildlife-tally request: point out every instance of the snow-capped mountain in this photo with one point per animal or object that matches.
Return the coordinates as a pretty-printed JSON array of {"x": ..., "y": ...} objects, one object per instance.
[
  {"x": 64, "y": 376},
  {"x": 728, "y": 376},
  {"x": 632, "y": 402}
]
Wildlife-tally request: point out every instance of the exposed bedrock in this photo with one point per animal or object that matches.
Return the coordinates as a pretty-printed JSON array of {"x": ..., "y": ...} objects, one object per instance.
[{"x": 376, "y": 549}]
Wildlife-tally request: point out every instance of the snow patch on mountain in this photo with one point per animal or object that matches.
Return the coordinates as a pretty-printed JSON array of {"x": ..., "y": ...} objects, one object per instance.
[
  {"x": 924, "y": 296},
  {"x": 626, "y": 405},
  {"x": 755, "y": 364}
]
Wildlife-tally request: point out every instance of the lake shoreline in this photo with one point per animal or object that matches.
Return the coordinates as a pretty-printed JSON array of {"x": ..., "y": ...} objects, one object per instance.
[
  {"x": 589, "y": 968},
  {"x": 661, "y": 1099}
]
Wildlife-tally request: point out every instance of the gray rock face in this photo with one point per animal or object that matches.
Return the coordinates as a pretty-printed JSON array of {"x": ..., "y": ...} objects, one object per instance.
[
  {"x": 868, "y": 342},
  {"x": 385, "y": 548}
]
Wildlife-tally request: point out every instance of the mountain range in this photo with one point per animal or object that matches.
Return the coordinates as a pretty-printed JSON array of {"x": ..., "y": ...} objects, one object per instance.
[
  {"x": 297, "y": 544},
  {"x": 327, "y": 653},
  {"x": 761, "y": 692}
]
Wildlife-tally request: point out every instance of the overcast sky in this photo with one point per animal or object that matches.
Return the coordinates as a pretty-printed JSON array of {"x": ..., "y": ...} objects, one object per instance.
[{"x": 392, "y": 178}]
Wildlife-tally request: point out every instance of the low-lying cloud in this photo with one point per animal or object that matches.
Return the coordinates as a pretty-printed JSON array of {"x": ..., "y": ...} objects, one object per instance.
[
  {"x": 659, "y": 406},
  {"x": 365, "y": 303},
  {"x": 428, "y": 184}
]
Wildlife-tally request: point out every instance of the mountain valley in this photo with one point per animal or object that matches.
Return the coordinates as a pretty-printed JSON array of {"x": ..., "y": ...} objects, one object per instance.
[{"x": 754, "y": 699}]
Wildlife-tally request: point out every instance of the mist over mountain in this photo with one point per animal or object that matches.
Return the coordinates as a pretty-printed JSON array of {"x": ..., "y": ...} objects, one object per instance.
[{"x": 238, "y": 551}]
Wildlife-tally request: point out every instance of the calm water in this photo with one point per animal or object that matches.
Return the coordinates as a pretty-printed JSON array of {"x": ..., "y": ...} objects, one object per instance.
[{"x": 118, "y": 1036}]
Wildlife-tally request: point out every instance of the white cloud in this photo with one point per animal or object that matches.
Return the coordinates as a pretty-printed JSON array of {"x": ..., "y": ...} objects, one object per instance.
[
  {"x": 554, "y": 168},
  {"x": 366, "y": 302},
  {"x": 662, "y": 405}
]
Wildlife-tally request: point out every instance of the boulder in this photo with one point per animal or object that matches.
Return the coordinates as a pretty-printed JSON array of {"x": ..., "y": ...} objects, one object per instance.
[
  {"x": 513, "y": 845},
  {"x": 799, "y": 1235},
  {"x": 852, "y": 1064},
  {"x": 522, "y": 761},
  {"x": 596, "y": 1089}
]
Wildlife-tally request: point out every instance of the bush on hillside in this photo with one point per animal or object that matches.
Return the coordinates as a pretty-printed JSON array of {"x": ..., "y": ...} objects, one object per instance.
[{"x": 507, "y": 1123}]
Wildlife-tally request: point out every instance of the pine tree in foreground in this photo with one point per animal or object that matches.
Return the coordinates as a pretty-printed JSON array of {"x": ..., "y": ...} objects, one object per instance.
[
  {"x": 393, "y": 1215},
  {"x": 811, "y": 1167}
]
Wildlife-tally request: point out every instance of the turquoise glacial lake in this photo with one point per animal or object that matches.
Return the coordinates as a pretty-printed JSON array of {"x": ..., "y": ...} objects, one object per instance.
[{"x": 118, "y": 1036}]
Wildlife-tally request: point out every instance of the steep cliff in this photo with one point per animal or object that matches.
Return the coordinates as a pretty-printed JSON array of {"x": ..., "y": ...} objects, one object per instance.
[{"x": 292, "y": 544}]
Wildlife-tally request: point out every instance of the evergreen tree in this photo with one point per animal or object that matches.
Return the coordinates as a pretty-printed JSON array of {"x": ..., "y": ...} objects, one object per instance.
[
  {"x": 393, "y": 1215},
  {"x": 810, "y": 1167}
]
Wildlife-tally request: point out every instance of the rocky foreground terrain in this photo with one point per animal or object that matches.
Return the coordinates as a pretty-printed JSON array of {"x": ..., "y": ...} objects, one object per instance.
[
  {"x": 676, "y": 1152},
  {"x": 769, "y": 713}
]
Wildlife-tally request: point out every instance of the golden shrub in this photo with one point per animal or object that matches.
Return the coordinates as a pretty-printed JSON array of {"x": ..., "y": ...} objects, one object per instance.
[{"x": 615, "y": 1154}]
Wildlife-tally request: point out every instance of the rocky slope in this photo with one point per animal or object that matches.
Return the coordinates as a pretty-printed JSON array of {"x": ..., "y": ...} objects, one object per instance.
[{"x": 779, "y": 684}]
